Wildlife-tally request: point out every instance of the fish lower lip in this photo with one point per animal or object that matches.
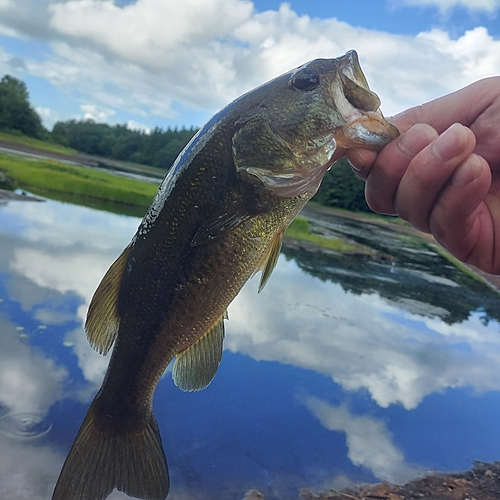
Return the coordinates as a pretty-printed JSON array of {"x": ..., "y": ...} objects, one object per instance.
[{"x": 370, "y": 131}]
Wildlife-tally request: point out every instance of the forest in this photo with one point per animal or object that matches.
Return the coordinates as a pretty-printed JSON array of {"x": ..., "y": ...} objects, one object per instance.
[{"x": 340, "y": 187}]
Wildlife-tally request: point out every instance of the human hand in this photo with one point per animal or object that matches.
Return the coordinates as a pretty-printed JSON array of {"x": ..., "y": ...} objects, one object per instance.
[{"x": 442, "y": 174}]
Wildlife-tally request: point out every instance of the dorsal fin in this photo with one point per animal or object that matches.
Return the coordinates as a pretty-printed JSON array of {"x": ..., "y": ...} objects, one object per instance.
[
  {"x": 196, "y": 367},
  {"x": 270, "y": 259},
  {"x": 103, "y": 318}
]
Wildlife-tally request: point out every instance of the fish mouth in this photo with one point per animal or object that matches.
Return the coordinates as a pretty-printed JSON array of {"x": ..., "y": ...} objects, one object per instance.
[
  {"x": 364, "y": 126},
  {"x": 371, "y": 131}
]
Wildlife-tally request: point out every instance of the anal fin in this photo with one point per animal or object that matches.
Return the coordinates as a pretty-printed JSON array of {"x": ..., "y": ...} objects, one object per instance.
[
  {"x": 103, "y": 318},
  {"x": 196, "y": 367}
]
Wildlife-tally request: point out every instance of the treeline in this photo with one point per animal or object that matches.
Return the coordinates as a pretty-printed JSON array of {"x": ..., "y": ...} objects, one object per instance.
[
  {"x": 158, "y": 148},
  {"x": 340, "y": 187}
]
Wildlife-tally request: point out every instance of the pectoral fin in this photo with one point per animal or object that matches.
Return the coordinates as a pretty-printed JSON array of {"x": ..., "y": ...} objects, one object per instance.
[
  {"x": 103, "y": 318},
  {"x": 270, "y": 259},
  {"x": 289, "y": 185},
  {"x": 196, "y": 367},
  {"x": 227, "y": 218}
]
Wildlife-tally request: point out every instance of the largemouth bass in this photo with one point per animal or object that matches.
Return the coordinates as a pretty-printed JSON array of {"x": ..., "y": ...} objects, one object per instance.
[{"x": 218, "y": 217}]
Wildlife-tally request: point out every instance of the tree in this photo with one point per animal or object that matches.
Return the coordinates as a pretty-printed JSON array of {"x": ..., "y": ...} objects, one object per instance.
[
  {"x": 342, "y": 189},
  {"x": 165, "y": 156},
  {"x": 16, "y": 112}
]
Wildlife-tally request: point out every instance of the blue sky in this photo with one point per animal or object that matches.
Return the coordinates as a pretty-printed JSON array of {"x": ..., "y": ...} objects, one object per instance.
[{"x": 162, "y": 63}]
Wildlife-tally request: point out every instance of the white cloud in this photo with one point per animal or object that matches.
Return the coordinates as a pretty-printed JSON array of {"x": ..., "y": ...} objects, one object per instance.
[
  {"x": 92, "y": 364},
  {"x": 49, "y": 117},
  {"x": 74, "y": 272},
  {"x": 96, "y": 113},
  {"x": 79, "y": 273},
  {"x": 43, "y": 224},
  {"x": 444, "y": 5},
  {"x": 141, "y": 127},
  {"x": 475, "y": 54},
  {"x": 147, "y": 57},
  {"x": 148, "y": 31},
  {"x": 368, "y": 441}
]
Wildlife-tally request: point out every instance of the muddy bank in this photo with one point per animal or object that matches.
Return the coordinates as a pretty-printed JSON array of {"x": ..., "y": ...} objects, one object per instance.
[
  {"x": 482, "y": 482},
  {"x": 149, "y": 173},
  {"x": 32, "y": 151},
  {"x": 11, "y": 196}
]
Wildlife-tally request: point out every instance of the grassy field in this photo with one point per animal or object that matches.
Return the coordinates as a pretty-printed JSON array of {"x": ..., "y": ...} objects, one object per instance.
[
  {"x": 46, "y": 177},
  {"x": 23, "y": 140}
]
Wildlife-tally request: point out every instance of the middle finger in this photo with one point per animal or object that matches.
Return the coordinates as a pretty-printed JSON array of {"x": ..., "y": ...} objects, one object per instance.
[{"x": 428, "y": 172}]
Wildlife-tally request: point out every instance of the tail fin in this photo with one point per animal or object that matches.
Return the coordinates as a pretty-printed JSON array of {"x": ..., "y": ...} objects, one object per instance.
[{"x": 99, "y": 461}]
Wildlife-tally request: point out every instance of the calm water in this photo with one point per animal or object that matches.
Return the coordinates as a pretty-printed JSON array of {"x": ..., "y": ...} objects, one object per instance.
[{"x": 343, "y": 370}]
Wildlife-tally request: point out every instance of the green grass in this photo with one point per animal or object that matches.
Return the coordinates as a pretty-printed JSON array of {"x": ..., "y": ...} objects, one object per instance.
[
  {"x": 36, "y": 143},
  {"x": 299, "y": 229},
  {"x": 47, "y": 176}
]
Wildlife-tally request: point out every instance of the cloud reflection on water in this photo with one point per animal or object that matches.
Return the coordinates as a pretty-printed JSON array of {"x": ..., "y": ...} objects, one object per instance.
[
  {"x": 369, "y": 442},
  {"x": 67, "y": 248},
  {"x": 361, "y": 341},
  {"x": 27, "y": 471},
  {"x": 29, "y": 381},
  {"x": 50, "y": 252},
  {"x": 364, "y": 342}
]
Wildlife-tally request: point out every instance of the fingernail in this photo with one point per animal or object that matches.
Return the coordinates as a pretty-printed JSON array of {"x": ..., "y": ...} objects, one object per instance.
[
  {"x": 449, "y": 143},
  {"x": 467, "y": 172},
  {"x": 416, "y": 138},
  {"x": 354, "y": 157}
]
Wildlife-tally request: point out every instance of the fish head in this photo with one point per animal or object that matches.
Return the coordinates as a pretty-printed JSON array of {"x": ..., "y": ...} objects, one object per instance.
[{"x": 289, "y": 133}]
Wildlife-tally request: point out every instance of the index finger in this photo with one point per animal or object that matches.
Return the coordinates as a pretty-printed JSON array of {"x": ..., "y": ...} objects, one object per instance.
[{"x": 462, "y": 106}]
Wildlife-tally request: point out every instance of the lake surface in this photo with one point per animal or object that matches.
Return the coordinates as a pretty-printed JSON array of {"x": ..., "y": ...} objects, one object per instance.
[{"x": 345, "y": 369}]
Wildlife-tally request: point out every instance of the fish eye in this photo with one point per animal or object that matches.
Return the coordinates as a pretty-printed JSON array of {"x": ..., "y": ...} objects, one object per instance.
[{"x": 305, "y": 79}]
